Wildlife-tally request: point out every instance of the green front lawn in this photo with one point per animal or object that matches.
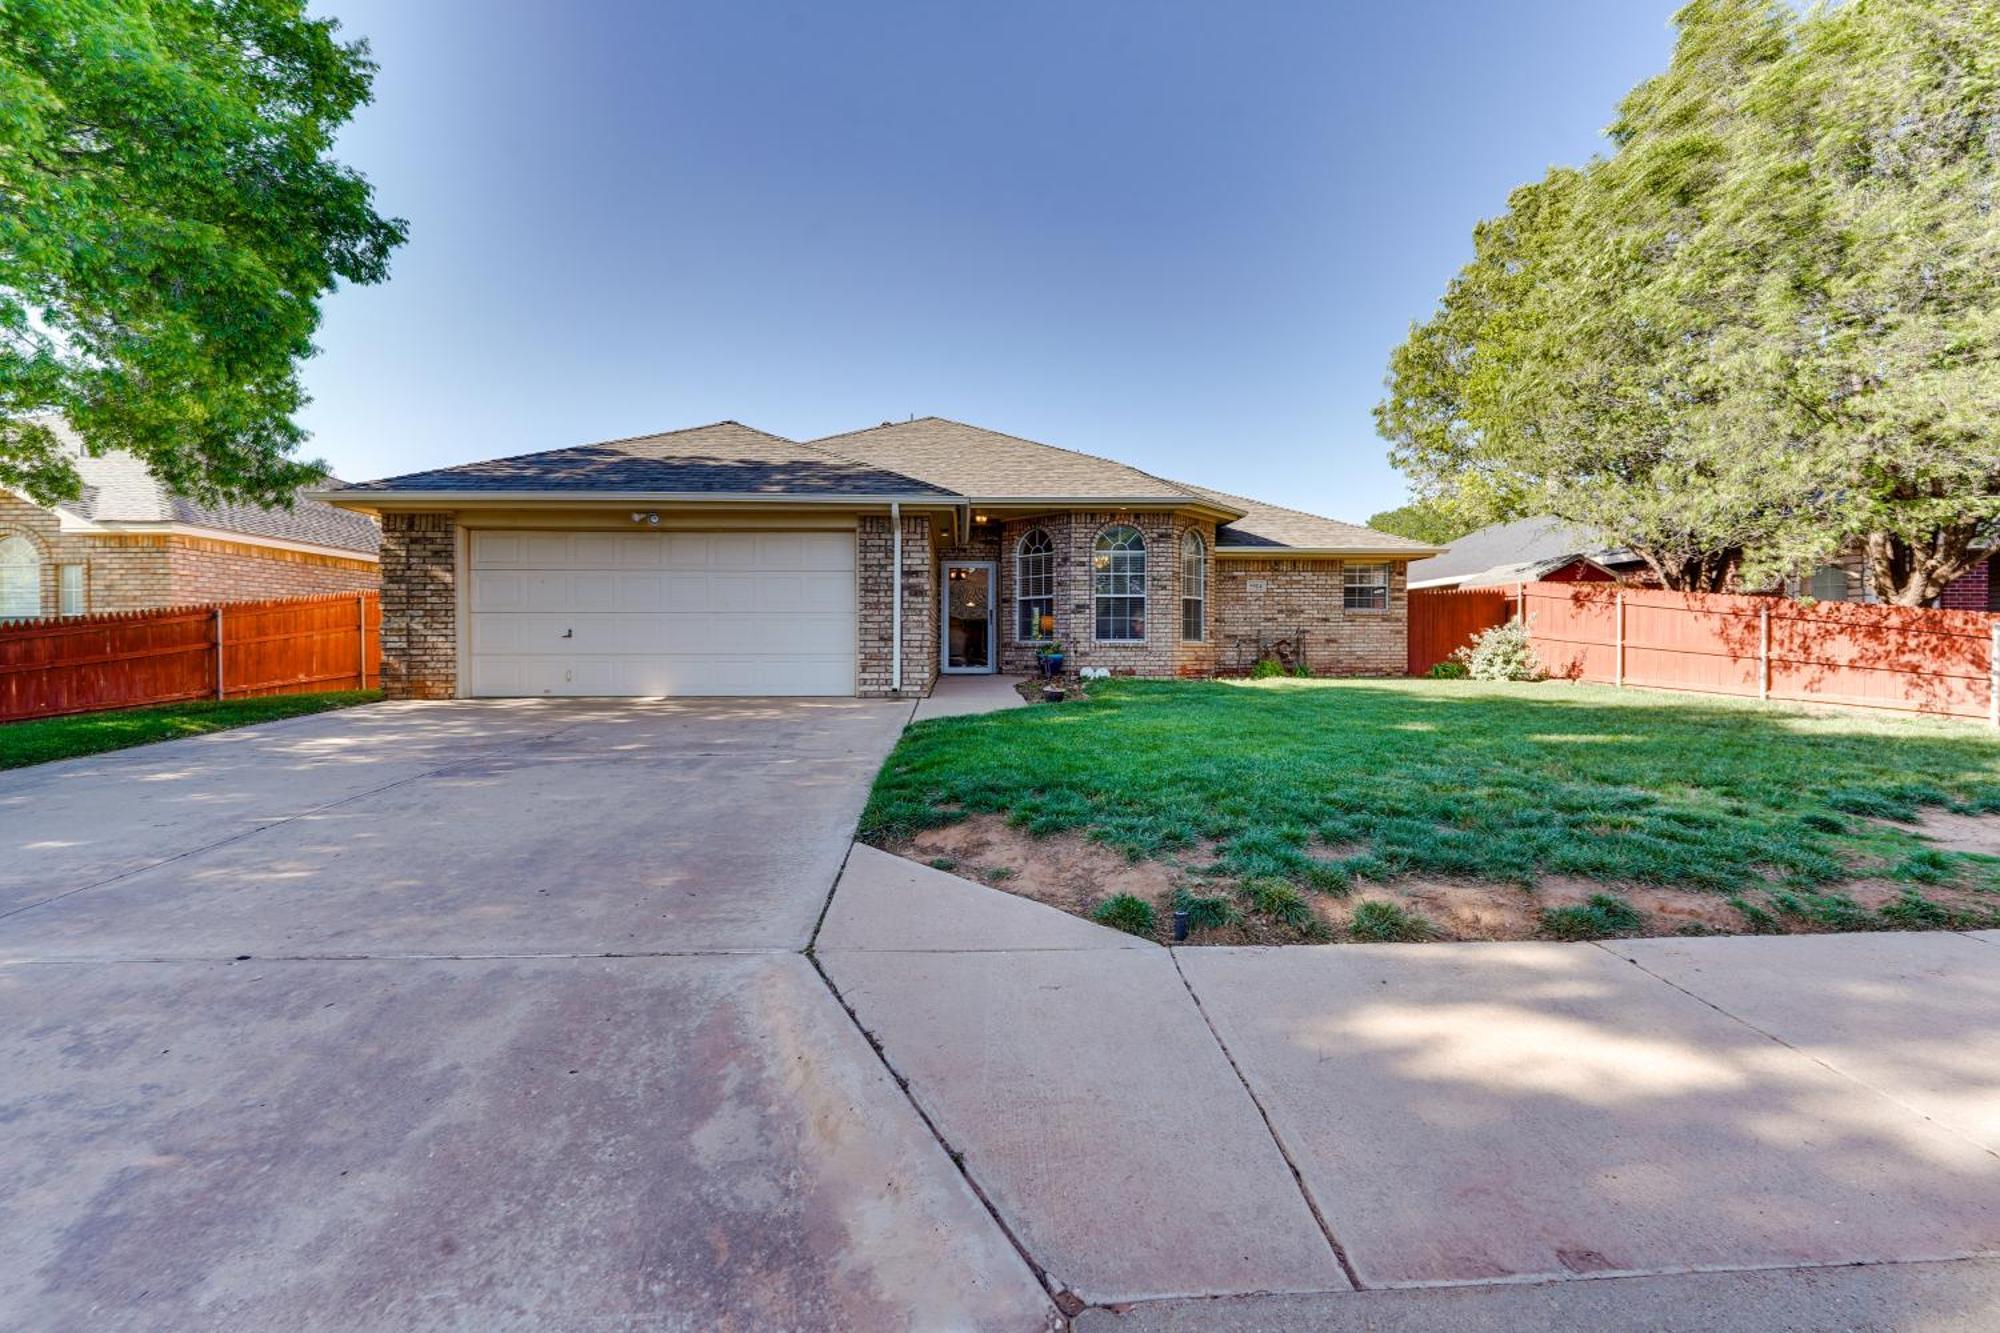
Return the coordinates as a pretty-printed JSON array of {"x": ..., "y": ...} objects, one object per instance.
[
  {"x": 1329, "y": 784},
  {"x": 43, "y": 739}
]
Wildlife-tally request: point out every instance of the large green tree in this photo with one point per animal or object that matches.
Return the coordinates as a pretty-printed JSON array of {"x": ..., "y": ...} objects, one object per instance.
[
  {"x": 1419, "y": 522},
  {"x": 1753, "y": 330},
  {"x": 170, "y": 218}
]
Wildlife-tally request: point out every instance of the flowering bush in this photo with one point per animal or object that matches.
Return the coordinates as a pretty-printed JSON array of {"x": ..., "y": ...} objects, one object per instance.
[{"x": 1502, "y": 653}]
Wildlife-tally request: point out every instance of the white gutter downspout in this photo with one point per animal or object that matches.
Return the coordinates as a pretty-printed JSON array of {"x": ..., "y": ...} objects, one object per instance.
[{"x": 896, "y": 598}]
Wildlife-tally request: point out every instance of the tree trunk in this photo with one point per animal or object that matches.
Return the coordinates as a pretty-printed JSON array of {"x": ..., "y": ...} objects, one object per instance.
[
  {"x": 1705, "y": 571},
  {"x": 1914, "y": 573}
]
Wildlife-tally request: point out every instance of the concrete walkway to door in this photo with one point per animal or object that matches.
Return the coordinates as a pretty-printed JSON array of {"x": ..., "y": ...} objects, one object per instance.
[
  {"x": 467, "y": 1015},
  {"x": 962, "y": 696}
]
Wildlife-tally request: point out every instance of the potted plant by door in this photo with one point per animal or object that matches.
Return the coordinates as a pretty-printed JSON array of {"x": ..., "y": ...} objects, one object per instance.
[{"x": 1050, "y": 657}]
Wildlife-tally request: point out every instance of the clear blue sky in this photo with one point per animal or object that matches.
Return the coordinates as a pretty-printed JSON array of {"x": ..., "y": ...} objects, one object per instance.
[{"x": 1184, "y": 235}]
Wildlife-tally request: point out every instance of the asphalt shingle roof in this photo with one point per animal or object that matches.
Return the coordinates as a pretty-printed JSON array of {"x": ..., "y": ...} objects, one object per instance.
[
  {"x": 726, "y": 458},
  {"x": 928, "y": 457},
  {"x": 1277, "y": 527},
  {"x": 1518, "y": 545},
  {"x": 987, "y": 465},
  {"x": 119, "y": 488}
]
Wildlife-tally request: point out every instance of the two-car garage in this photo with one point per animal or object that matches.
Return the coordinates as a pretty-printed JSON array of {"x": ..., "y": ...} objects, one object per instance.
[{"x": 661, "y": 613}]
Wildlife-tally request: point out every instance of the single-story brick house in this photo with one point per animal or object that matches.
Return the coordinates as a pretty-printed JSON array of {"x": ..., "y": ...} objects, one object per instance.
[
  {"x": 725, "y": 560},
  {"x": 130, "y": 544}
]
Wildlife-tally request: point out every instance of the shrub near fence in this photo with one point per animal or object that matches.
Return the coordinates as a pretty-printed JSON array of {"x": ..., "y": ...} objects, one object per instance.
[{"x": 232, "y": 650}]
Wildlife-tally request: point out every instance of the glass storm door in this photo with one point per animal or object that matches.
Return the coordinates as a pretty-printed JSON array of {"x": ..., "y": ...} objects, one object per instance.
[{"x": 968, "y": 615}]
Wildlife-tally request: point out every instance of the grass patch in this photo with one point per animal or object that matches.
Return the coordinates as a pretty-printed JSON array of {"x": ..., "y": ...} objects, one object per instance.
[
  {"x": 1124, "y": 912},
  {"x": 1206, "y": 913},
  {"x": 1388, "y": 923},
  {"x": 1602, "y": 917},
  {"x": 43, "y": 739},
  {"x": 1501, "y": 782}
]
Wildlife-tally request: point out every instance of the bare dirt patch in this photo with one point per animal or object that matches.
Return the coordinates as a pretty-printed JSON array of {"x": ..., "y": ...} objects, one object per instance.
[
  {"x": 1070, "y": 872},
  {"x": 1954, "y": 832},
  {"x": 1065, "y": 870}
]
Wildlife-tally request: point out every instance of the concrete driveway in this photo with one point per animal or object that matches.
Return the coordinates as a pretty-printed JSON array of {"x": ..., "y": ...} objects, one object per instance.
[{"x": 480, "y": 1016}]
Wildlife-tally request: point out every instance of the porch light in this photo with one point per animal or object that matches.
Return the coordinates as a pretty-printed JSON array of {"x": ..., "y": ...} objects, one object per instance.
[{"x": 646, "y": 516}]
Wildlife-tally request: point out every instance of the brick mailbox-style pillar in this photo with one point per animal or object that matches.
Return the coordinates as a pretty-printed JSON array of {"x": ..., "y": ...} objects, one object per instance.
[{"x": 419, "y": 606}]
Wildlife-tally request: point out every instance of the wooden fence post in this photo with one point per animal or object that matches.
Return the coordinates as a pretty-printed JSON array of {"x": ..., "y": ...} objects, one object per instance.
[
  {"x": 361, "y": 632},
  {"x": 1619, "y": 679},
  {"x": 218, "y": 652},
  {"x": 1993, "y": 675},
  {"x": 1763, "y": 652}
]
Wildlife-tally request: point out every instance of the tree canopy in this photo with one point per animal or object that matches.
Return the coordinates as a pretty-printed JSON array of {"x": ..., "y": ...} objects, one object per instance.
[
  {"x": 1419, "y": 522},
  {"x": 170, "y": 218},
  {"x": 1761, "y": 326}
]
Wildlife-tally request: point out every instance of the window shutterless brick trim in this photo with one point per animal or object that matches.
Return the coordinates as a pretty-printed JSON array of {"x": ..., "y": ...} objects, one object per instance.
[{"x": 1257, "y": 599}]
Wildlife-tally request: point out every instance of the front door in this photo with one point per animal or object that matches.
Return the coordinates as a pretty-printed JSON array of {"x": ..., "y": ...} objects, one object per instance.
[{"x": 968, "y": 616}]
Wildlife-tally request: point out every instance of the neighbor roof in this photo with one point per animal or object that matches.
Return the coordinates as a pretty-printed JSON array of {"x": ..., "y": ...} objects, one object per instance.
[
  {"x": 119, "y": 488},
  {"x": 987, "y": 465},
  {"x": 725, "y": 458},
  {"x": 1275, "y": 526},
  {"x": 1501, "y": 552}
]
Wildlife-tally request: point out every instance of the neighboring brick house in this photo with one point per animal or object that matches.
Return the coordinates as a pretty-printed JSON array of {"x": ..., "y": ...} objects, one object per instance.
[
  {"x": 725, "y": 560},
  {"x": 129, "y": 544}
]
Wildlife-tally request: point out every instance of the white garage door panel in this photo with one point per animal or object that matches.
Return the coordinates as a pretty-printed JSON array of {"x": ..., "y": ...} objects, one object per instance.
[{"x": 651, "y": 613}]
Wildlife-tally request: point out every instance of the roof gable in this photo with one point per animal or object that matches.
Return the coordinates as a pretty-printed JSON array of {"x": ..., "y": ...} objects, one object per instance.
[
  {"x": 985, "y": 464},
  {"x": 724, "y": 458}
]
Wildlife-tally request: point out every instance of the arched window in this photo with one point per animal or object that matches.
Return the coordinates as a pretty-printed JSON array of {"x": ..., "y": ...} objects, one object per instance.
[
  {"x": 20, "y": 579},
  {"x": 1118, "y": 579},
  {"x": 1035, "y": 585},
  {"x": 1194, "y": 588}
]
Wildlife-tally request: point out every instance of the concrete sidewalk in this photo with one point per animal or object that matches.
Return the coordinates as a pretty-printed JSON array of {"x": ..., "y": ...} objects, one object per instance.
[{"x": 1594, "y": 1129}]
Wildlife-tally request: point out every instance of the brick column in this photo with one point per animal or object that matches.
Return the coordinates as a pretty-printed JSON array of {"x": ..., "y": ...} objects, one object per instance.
[
  {"x": 874, "y": 554},
  {"x": 419, "y": 606}
]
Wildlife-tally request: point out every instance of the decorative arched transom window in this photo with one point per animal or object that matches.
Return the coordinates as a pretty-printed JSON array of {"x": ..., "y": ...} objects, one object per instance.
[
  {"x": 1118, "y": 579},
  {"x": 1035, "y": 585},
  {"x": 1194, "y": 588},
  {"x": 20, "y": 579}
]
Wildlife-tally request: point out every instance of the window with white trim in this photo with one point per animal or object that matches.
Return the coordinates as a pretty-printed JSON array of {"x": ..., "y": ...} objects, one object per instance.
[
  {"x": 1194, "y": 588},
  {"x": 70, "y": 599},
  {"x": 1034, "y": 585},
  {"x": 1118, "y": 583},
  {"x": 20, "y": 579},
  {"x": 1364, "y": 587}
]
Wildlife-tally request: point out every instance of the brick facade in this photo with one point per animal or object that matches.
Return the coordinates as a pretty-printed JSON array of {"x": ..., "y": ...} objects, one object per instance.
[
  {"x": 1250, "y": 603},
  {"x": 138, "y": 571},
  {"x": 873, "y": 557},
  {"x": 1973, "y": 590},
  {"x": 1260, "y": 600},
  {"x": 419, "y": 606}
]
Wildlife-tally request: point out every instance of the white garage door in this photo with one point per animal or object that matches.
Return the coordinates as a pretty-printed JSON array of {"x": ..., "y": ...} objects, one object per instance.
[{"x": 649, "y": 613}]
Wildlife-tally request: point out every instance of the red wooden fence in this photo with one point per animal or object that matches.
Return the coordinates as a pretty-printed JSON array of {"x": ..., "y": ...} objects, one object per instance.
[
  {"x": 1443, "y": 620},
  {"x": 1867, "y": 655},
  {"x": 1864, "y": 655},
  {"x": 81, "y": 664}
]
